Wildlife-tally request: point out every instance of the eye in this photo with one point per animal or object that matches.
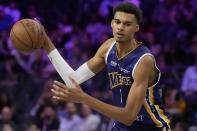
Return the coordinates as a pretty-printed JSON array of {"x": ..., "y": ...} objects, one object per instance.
[
  {"x": 127, "y": 24},
  {"x": 117, "y": 21}
]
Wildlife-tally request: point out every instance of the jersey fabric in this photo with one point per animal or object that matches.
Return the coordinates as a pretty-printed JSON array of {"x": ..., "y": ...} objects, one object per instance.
[{"x": 152, "y": 116}]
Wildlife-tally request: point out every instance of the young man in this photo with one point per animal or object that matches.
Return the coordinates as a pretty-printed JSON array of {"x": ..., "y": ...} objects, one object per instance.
[{"x": 133, "y": 77}]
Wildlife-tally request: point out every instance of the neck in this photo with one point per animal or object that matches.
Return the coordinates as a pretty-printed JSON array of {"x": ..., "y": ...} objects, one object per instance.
[{"x": 123, "y": 48}]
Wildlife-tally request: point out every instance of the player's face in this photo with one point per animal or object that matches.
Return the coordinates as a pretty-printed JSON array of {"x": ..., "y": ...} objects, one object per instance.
[{"x": 124, "y": 26}]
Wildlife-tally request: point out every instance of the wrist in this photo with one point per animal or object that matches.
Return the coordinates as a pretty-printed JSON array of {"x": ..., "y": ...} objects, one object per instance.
[
  {"x": 85, "y": 99},
  {"x": 48, "y": 45}
]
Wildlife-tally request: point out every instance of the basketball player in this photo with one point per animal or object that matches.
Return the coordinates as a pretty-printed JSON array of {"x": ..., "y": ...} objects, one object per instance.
[{"x": 133, "y": 76}]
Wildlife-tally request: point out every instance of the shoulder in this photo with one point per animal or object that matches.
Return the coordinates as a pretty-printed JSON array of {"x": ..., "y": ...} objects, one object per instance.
[
  {"x": 147, "y": 61},
  {"x": 190, "y": 69},
  {"x": 144, "y": 68},
  {"x": 76, "y": 118}
]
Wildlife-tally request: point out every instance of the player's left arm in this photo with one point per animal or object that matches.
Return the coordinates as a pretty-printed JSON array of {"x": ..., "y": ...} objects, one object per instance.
[{"x": 135, "y": 98}]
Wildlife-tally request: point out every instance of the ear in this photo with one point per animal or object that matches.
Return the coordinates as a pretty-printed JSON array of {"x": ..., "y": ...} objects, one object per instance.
[
  {"x": 112, "y": 22},
  {"x": 137, "y": 28}
]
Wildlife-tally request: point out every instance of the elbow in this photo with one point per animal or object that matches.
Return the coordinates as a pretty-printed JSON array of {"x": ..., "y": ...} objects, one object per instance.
[
  {"x": 128, "y": 116},
  {"x": 128, "y": 121}
]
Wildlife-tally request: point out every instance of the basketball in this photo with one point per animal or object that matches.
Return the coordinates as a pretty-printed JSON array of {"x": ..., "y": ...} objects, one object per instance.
[{"x": 27, "y": 35}]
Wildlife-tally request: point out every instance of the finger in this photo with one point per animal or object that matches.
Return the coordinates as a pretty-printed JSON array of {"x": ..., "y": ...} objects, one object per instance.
[
  {"x": 60, "y": 89},
  {"x": 57, "y": 93},
  {"x": 60, "y": 84},
  {"x": 37, "y": 20},
  {"x": 73, "y": 81},
  {"x": 58, "y": 98}
]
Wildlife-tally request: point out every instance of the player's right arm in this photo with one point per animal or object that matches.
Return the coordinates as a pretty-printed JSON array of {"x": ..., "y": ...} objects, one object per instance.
[{"x": 85, "y": 71}]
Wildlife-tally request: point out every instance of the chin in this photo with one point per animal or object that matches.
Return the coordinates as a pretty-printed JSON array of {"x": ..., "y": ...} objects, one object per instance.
[{"x": 119, "y": 41}]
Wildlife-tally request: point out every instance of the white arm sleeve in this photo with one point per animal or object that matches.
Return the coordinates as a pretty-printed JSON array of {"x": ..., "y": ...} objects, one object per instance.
[{"x": 82, "y": 74}]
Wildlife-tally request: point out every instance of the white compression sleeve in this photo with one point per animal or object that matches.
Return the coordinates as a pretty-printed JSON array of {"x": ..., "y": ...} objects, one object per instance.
[
  {"x": 82, "y": 74},
  {"x": 61, "y": 66}
]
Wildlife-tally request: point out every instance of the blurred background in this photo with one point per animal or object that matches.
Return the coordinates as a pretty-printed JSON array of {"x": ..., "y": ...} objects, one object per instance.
[{"x": 78, "y": 28}]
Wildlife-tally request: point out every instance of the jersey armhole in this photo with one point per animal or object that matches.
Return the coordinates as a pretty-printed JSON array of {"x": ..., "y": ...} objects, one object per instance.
[
  {"x": 159, "y": 75},
  {"x": 109, "y": 51}
]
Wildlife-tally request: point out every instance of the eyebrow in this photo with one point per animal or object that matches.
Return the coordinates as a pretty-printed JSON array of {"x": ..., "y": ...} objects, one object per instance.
[{"x": 124, "y": 21}]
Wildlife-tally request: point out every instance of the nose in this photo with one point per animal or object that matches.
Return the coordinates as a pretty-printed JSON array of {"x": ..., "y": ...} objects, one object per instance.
[{"x": 120, "y": 27}]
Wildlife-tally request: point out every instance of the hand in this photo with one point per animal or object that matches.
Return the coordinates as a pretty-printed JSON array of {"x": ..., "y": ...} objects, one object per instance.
[
  {"x": 65, "y": 93},
  {"x": 43, "y": 31},
  {"x": 41, "y": 26},
  {"x": 48, "y": 46}
]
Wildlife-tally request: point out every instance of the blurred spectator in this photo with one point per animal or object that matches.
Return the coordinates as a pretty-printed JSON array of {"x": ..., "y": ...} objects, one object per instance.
[
  {"x": 4, "y": 100},
  {"x": 35, "y": 64},
  {"x": 43, "y": 98},
  {"x": 189, "y": 85},
  {"x": 180, "y": 126},
  {"x": 161, "y": 12},
  {"x": 48, "y": 119},
  {"x": 33, "y": 127},
  {"x": 4, "y": 47},
  {"x": 10, "y": 68},
  {"x": 106, "y": 124},
  {"x": 40, "y": 65},
  {"x": 175, "y": 104},
  {"x": 5, "y": 20},
  {"x": 25, "y": 61},
  {"x": 89, "y": 121},
  {"x": 64, "y": 25},
  {"x": 71, "y": 121},
  {"x": 33, "y": 13},
  {"x": 192, "y": 128},
  {"x": 96, "y": 29},
  {"x": 7, "y": 117},
  {"x": 87, "y": 45},
  {"x": 161, "y": 61},
  {"x": 78, "y": 58},
  {"x": 193, "y": 47},
  {"x": 13, "y": 11},
  {"x": 106, "y": 7},
  {"x": 7, "y": 127},
  {"x": 193, "y": 3}
]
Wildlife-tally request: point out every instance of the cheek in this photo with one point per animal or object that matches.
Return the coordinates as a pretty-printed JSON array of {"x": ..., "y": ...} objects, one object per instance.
[
  {"x": 130, "y": 32},
  {"x": 113, "y": 30}
]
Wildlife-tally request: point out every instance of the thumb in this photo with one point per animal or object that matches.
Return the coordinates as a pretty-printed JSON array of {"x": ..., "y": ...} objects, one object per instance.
[{"x": 74, "y": 82}]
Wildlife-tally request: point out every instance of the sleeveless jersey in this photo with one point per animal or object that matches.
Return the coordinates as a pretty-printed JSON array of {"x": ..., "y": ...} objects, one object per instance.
[{"x": 120, "y": 72}]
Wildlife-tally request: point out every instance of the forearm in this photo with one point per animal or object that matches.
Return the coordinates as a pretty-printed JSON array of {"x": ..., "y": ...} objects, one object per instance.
[
  {"x": 63, "y": 68},
  {"x": 120, "y": 114}
]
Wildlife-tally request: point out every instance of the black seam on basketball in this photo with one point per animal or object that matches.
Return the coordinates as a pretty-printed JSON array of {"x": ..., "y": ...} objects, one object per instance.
[
  {"x": 27, "y": 33},
  {"x": 21, "y": 50},
  {"x": 16, "y": 46},
  {"x": 38, "y": 38},
  {"x": 20, "y": 41}
]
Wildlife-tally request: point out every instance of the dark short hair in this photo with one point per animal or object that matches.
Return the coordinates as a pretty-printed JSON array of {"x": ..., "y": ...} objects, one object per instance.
[{"x": 130, "y": 8}]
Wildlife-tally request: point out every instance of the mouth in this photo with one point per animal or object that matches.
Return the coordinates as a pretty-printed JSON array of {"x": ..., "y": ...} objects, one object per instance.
[{"x": 119, "y": 35}]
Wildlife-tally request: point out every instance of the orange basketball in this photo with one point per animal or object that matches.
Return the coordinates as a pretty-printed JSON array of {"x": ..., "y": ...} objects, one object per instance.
[{"x": 27, "y": 35}]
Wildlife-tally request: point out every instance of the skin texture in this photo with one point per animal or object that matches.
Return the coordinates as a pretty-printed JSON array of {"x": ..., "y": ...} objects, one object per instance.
[{"x": 124, "y": 26}]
